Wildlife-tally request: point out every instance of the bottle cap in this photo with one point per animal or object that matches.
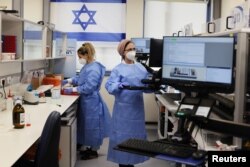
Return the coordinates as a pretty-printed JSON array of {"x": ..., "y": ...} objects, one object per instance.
[{"x": 18, "y": 101}]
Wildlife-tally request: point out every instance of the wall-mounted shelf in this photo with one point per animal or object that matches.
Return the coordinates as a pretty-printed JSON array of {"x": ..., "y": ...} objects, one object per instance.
[
  {"x": 30, "y": 41},
  {"x": 228, "y": 32}
]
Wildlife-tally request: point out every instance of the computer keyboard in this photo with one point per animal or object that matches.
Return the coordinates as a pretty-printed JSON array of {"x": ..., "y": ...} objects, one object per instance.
[{"x": 157, "y": 148}]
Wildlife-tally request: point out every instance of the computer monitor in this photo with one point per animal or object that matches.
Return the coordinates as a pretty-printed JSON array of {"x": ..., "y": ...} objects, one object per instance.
[
  {"x": 199, "y": 64},
  {"x": 142, "y": 45},
  {"x": 156, "y": 51}
]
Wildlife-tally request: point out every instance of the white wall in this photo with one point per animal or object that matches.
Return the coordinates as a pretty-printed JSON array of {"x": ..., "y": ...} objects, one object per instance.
[
  {"x": 134, "y": 18},
  {"x": 33, "y": 10},
  {"x": 165, "y": 18},
  {"x": 7, "y": 3},
  {"x": 228, "y": 5},
  {"x": 155, "y": 19}
]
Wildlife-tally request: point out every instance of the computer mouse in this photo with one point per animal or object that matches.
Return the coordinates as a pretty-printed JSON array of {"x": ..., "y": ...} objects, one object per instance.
[{"x": 199, "y": 154}]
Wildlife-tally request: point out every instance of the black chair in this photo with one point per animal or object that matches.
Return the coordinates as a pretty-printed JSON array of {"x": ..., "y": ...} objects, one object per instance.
[{"x": 48, "y": 145}]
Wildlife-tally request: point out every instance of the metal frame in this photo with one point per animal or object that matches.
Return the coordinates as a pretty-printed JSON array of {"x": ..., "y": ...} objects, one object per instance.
[{"x": 241, "y": 71}]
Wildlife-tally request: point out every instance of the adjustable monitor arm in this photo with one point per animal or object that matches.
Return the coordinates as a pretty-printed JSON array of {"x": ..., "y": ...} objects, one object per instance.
[
  {"x": 153, "y": 84},
  {"x": 149, "y": 69},
  {"x": 155, "y": 81},
  {"x": 182, "y": 135}
]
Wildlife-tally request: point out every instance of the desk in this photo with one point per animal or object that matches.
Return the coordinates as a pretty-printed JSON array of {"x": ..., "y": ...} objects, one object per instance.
[
  {"x": 14, "y": 142},
  {"x": 170, "y": 107}
]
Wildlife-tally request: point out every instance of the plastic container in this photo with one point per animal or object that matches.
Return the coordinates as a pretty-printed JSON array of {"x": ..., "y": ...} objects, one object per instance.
[
  {"x": 56, "y": 93},
  {"x": 8, "y": 56},
  {"x": 9, "y": 103},
  {"x": 2, "y": 104}
]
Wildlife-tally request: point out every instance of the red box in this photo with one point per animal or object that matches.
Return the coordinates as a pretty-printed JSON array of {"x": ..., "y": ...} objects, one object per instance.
[{"x": 9, "y": 43}]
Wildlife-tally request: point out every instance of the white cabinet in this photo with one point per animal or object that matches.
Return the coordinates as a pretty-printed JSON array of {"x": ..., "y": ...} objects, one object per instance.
[
  {"x": 29, "y": 41},
  {"x": 68, "y": 144},
  {"x": 68, "y": 138},
  {"x": 32, "y": 41},
  {"x": 11, "y": 28},
  {"x": 59, "y": 41}
]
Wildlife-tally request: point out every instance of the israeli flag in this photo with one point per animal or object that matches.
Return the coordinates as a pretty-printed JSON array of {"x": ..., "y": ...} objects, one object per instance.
[{"x": 90, "y": 20}]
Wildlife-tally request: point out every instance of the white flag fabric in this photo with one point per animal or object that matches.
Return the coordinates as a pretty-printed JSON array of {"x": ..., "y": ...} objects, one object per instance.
[{"x": 90, "y": 20}]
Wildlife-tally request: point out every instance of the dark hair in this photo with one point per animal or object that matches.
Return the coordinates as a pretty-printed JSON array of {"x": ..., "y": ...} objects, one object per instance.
[{"x": 82, "y": 50}]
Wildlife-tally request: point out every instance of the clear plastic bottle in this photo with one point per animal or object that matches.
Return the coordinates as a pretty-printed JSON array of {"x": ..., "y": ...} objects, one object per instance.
[
  {"x": 18, "y": 115},
  {"x": 9, "y": 102}
]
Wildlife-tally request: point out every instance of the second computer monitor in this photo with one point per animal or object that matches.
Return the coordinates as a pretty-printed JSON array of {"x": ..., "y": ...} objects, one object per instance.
[
  {"x": 142, "y": 45},
  {"x": 156, "y": 50},
  {"x": 199, "y": 64}
]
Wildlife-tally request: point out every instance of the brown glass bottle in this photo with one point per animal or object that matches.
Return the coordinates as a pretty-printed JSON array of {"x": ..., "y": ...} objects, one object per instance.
[{"x": 18, "y": 115}]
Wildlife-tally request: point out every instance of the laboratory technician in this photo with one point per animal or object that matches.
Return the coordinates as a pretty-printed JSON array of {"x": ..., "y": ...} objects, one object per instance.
[
  {"x": 93, "y": 118},
  {"x": 128, "y": 118}
]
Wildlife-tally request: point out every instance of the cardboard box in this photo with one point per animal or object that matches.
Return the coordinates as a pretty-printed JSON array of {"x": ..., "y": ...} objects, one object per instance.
[{"x": 52, "y": 79}]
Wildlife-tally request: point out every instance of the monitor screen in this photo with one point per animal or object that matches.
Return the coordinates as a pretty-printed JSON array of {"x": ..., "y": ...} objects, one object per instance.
[
  {"x": 197, "y": 64},
  {"x": 142, "y": 45},
  {"x": 156, "y": 49}
]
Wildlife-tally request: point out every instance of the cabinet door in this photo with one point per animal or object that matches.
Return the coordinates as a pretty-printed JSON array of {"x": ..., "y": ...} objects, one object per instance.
[
  {"x": 11, "y": 37},
  {"x": 32, "y": 41},
  {"x": 59, "y": 44}
]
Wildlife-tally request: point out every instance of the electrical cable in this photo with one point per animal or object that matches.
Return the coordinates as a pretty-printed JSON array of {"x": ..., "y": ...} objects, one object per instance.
[{"x": 3, "y": 83}]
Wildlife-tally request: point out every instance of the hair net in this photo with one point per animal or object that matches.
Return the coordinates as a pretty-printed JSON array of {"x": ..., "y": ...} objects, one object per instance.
[{"x": 122, "y": 45}]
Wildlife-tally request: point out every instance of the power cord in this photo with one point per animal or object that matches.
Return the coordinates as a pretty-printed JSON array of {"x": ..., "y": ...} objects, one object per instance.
[{"x": 3, "y": 83}]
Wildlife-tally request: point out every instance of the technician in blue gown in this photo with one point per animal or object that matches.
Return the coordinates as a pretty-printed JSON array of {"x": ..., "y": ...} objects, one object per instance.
[
  {"x": 128, "y": 118},
  {"x": 93, "y": 116}
]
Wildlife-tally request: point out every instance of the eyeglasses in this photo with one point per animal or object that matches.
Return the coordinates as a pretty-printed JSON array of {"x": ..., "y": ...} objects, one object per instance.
[{"x": 130, "y": 49}]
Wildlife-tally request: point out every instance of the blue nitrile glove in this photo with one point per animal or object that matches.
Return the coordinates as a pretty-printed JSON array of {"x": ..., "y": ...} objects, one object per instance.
[
  {"x": 64, "y": 82},
  {"x": 122, "y": 85},
  {"x": 68, "y": 91}
]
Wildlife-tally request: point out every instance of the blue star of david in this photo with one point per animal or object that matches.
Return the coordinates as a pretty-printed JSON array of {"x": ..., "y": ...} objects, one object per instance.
[{"x": 83, "y": 10}]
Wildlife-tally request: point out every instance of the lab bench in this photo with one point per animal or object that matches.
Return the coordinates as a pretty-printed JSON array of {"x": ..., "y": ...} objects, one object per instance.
[{"x": 14, "y": 142}]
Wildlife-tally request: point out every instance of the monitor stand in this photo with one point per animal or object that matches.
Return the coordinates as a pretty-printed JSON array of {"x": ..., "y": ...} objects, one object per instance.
[
  {"x": 190, "y": 106},
  {"x": 182, "y": 135}
]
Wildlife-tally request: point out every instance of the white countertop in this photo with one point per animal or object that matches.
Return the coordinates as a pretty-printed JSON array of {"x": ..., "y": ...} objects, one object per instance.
[{"x": 14, "y": 142}]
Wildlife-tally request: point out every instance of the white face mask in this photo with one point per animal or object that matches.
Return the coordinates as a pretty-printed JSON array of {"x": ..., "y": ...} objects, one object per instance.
[
  {"x": 131, "y": 55},
  {"x": 82, "y": 61}
]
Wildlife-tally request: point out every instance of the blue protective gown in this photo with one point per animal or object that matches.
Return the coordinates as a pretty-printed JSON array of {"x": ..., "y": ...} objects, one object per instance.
[
  {"x": 93, "y": 115},
  {"x": 128, "y": 118}
]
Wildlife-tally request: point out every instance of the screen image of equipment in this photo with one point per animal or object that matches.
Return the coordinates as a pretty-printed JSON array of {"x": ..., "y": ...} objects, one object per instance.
[
  {"x": 198, "y": 63},
  {"x": 142, "y": 45},
  {"x": 156, "y": 51}
]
